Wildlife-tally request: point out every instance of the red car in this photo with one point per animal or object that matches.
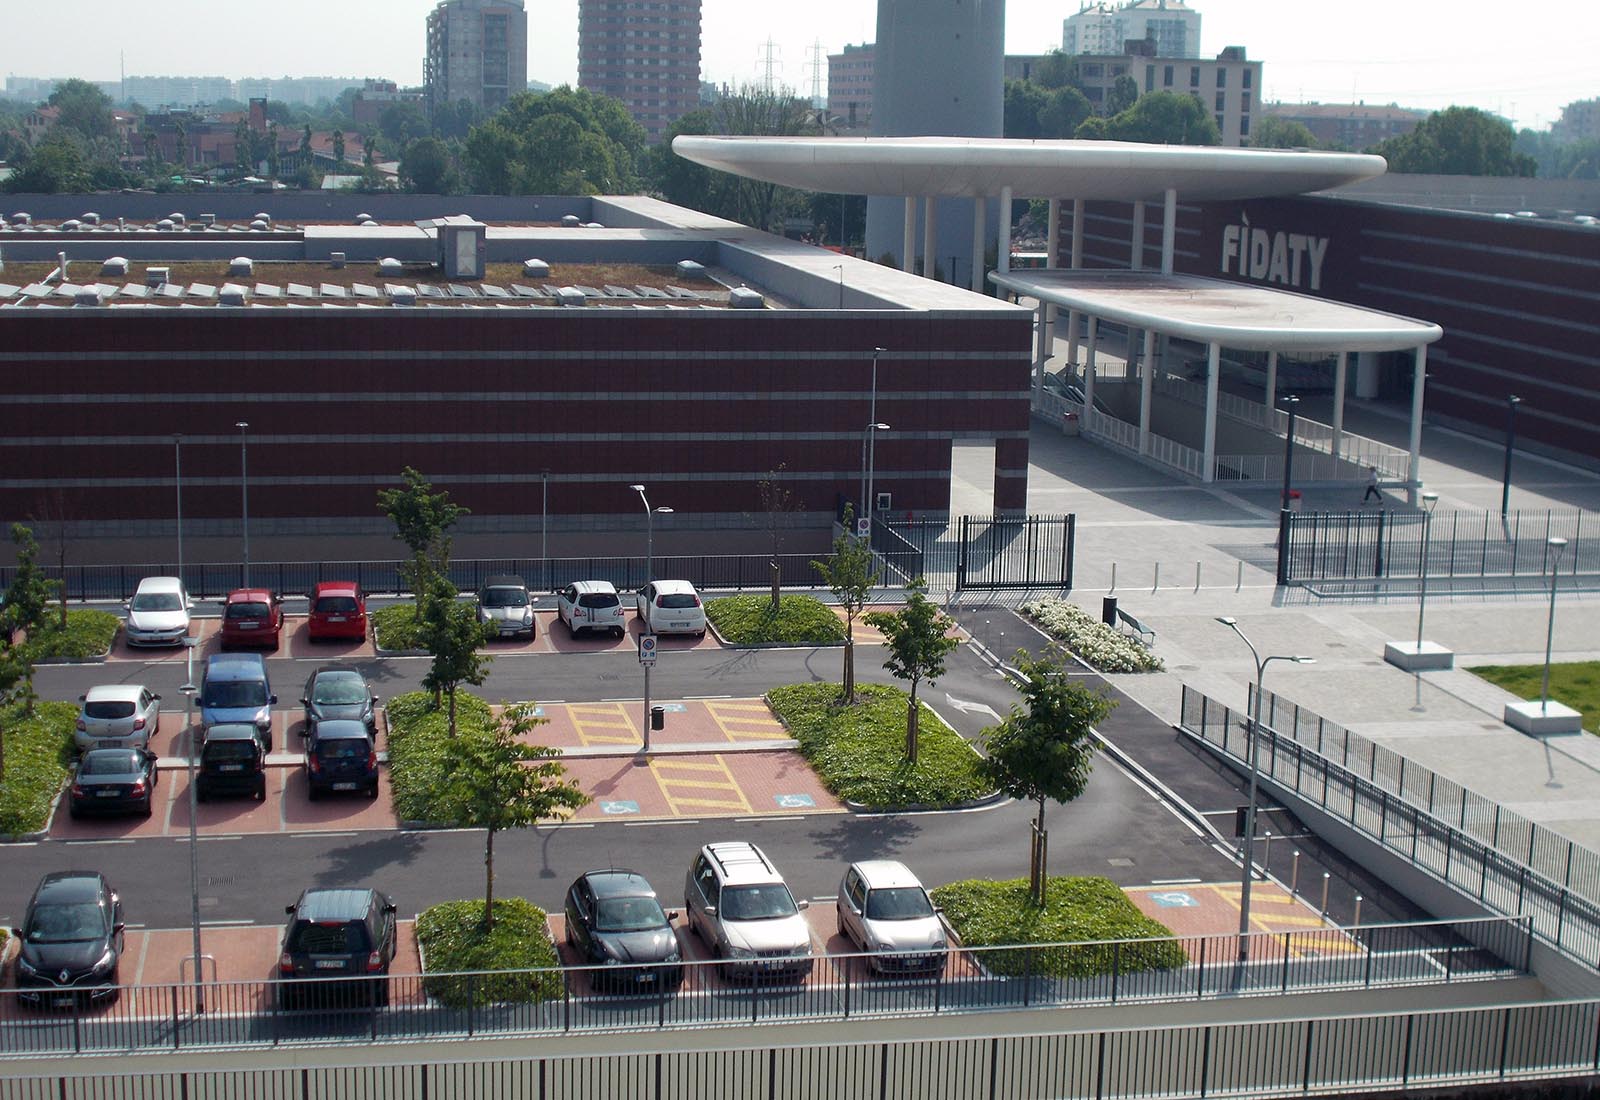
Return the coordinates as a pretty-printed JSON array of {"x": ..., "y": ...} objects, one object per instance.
[
  {"x": 252, "y": 616},
  {"x": 338, "y": 610}
]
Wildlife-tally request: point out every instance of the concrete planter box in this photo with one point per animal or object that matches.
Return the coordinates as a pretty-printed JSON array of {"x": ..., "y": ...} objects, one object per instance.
[
  {"x": 1542, "y": 720},
  {"x": 1427, "y": 657}
]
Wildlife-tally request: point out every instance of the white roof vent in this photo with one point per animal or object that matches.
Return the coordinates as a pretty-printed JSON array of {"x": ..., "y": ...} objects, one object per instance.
[
  {"x": 689, "y": 269},
  {"x": 336, "y": 260},
  {"x": 569, "y": 296},
  {"x": 86, "y": 296},
  {"x": 259, "y": 226},
  {"x": 156, "y": 276},
  {"x": 114, "y": 265},
  {"x": 263, "y": 218},
  {"x": 535, "y": 269},
  {"x": 232, "y": 294},
  {"x": 593, "y": 225},
  {"x": 166, "y": 225},
  {"x": 742, "y": 297},
  {"x": 401, "y": 295},
  {"x": 91, "y": 218},
  {"x": 571, "y": 221},
  {"x": 208, "y": 220},
  {"x": 22, "y": 217},
  {"x": 176, "y": 219},
  {"x": 390, "y": 266},
  {"x": 241, "y": 265}
]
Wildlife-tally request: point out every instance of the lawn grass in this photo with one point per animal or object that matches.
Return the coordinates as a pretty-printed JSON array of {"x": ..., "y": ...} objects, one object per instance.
[
  {"x": 395, "y": 627},
  {"x": 987, "y": 913},
  {"x": 859, "y": 752},
  {"x": 87, "y": 634},
  {"x": 799, "y": 620},
  {"x": 453, "y": 941},
  {"x": 38, "y": 758},
  {"x": 419, "y": 750},
  {"x": 1577, "y": 684}
]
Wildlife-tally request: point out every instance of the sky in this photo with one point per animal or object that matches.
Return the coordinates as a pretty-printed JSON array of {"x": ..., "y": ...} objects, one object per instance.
[{"x": 1429, "y": 56}]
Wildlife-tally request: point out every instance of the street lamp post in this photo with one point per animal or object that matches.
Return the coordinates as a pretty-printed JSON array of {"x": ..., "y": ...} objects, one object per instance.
[
  {"x": 1559, "y": 545},
  {"x": 872, "y": 459},
  {"x": 649, "y": 575},
  {"x": 544, "y": 523},
  {"x": 840, "y": 269},
  {"x": 872, "y": 418},
  {"x": 1254, "y": 716},
  {"x": 177, "y": 467},
  {"x": 188, "y": 690},
  {"x": 1292, "y": 403},
  {"x": 1429, "y": 500},
  {"x": 244, "y": 491},
  {"x": 1512, "y": 401}
]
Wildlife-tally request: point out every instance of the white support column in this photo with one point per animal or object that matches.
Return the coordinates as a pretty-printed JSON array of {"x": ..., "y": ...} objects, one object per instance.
[
  {"x": 1136, "y": 238},
  {"x": 980, "y": 205},
  {"x": 1077, "y": 262},
  {"x": 1041, "y": 346},
  {"x": 1088, "y": 367},
  {"x": 1213, "y": 376},
  {"x": 930, "y": 239},
  {"x": 1002, "y": 244},
  {"x": 1146, "y": 377},
  {"x": 1272, "y": 382},
  {"x": 908, "y": 238},
  {"x": 1052, "y": 256},
  {"x": 1340, "y": 371},
  {"x": 1418, "y": 381},
  {"x": 1169, "y": 229}
]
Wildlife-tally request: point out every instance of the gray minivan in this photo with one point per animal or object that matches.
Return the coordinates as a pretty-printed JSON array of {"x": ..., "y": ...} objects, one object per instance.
[{"x": 236, "y": 689}]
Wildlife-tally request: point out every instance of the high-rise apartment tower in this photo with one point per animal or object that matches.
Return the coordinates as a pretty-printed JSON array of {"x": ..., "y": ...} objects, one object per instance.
[
  {"x": 645, "y": 53},
  {"x": 477, "y": 51}
]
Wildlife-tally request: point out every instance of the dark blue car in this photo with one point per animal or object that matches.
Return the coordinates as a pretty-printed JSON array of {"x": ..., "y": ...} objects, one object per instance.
[{"x": 341, "y": 757}]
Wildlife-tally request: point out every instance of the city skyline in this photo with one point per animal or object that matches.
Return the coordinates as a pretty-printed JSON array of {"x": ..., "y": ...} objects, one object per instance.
[{"x": 1413, "y": 55}]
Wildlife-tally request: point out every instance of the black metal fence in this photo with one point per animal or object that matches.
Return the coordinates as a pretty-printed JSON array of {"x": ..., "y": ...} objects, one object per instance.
[
  {"x": 1379, "y": 545},
  {"x": 994, "y": 552},
  {"x": 1503, "y": 860},
  {"x": 839, "y": 987}
]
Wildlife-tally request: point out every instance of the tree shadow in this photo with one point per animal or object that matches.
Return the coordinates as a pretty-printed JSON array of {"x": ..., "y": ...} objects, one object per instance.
[
  {"x": 853, "y": 838},
  {"x": 357, "y": 861}
]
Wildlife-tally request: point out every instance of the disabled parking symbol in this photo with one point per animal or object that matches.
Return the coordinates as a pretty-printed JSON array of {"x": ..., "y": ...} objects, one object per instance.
[
  {"x": 1174, "y": 899},
  {"x": 794, "y": 801},
  {"x": 620, "y": 806}
]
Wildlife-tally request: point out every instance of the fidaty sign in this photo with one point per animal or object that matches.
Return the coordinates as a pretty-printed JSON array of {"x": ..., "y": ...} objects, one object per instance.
[{"x": 1273, "y": 255}]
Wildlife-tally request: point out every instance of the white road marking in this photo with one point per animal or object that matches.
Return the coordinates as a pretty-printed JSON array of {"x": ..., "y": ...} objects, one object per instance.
[
  {"x": 661, "y": 821},
  {"x": 971, "y": 708}
]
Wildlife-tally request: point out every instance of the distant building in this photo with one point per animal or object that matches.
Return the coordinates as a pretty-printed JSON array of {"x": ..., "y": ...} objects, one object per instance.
[
  {"x": 850, "y": 86},
  {"x": 1102, "y": 28},
  {"x": 477, "y": 51},
  {"x": 191, "y": 139},
  {"x": 299, "y": 90},
  {"x": 176, "y": 91},
  {"x": 377, "y": 96},
  {"x": 1580, "y": 121},
  {"x": 1354, "y": 126},
  {"x": 645, "y": 53}
]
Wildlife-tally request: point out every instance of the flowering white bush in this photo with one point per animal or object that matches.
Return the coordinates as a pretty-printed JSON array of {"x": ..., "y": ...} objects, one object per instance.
[{"x": 1089, "y": 638}]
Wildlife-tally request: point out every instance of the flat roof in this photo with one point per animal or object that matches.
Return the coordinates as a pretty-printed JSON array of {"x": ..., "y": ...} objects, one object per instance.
[
  {"x": 966, "y": 166},
  {"x": 1236, "y": 315}
]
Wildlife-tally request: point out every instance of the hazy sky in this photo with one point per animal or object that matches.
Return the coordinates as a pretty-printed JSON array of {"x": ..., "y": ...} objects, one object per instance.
[{"x": 1427, "y": 55}]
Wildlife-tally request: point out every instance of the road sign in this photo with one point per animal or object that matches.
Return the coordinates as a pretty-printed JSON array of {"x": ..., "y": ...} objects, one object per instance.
[
  {"x": 647, "y": 649},
  {"x": 864, "y": 527}
]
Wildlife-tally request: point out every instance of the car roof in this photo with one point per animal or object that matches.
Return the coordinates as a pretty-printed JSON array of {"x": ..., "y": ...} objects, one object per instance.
[
  {"x": 334, "y": 904},
  {"x": 505, "y": 580},
  {"x": 617, "y": 882},
  {"x": 124, "y": 693},
  {"x": 103, "y": 754},
  {"x": 59, "y": 886},
  {"x": 673, "y": 586},
  {"x": 335, "y": 588},
  {"x": 227, "y": 665},
  {"x": 883, "y": 874},
  {"x": 231, "y": 731},
  {"x": 742, "y": 862},
  {"x": 160, "y": 584},
  {"x": 338, "y": 729},
  {"x": 250, "y": 595},
  {"x": 337, "y": 666}
]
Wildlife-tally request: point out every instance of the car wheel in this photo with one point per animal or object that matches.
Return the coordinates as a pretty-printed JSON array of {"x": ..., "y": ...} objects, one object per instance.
[
  {"x": 200, "y": 794},
  {"x": 617, "y": 632},
  {"x": 144, "y": 811},
  {"x": 372, "y": 791},
  {"x": 261, "y": 791},
  {"x": 312, "y": 793},
  {"x": 73, "y": 811}
]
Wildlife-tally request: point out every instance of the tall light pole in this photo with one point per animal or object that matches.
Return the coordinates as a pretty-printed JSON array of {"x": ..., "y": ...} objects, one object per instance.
[
  {"x": 872, "y": 418},
  {"x": 188, "y": 690},
  {"x": 1512, "y": 401},
  {"x": 840, "y": 269},
  {"x": 1254, "y": 712},
  {"x": 1429, "y": 501},
  {"x": 1559, "y": 545},
  {"x": 1291, "y": 404},
  {"x": 872, "y": 458},
  {"x": 649, "y": 575},
  {"x": 544, "y": 523},
  {"x": 244, "y": 489},
  {"x": 177, "y": 467}
]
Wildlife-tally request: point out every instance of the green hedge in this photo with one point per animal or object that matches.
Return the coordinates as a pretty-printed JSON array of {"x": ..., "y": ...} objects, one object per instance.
[
  {"x": 453, "y": 941},
  {"x": 38, "y": 759},
  {"x": 395, "y": 627},
  {"x": 859, "y": 751},
  {"x": 419, "y": 748},
  {"x": 799, "y": 620},
  {"x": 87, "y": 634},
  {"x": 987, "y": 913}
]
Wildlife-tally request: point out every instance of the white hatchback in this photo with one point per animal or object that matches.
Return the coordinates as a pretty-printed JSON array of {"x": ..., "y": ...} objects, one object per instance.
[
  {"x": 591, "y": 605},
  {"x": 158, "y": 614},
  {"x": 671, "y": 607},
  {"x": 116, "y": 716},
  {"x": 884, "y": 911}
]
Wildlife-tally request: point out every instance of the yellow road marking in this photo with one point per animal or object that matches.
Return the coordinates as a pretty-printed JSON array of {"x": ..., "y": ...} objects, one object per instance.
[
  {"x": 735, "y": 720},
  {"x": 698, "y": 780},
  {"x": 604, "y": 724}
]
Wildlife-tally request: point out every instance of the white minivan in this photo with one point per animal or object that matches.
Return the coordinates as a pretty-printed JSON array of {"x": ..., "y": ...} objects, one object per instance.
[{"x": 671, "y": 607}]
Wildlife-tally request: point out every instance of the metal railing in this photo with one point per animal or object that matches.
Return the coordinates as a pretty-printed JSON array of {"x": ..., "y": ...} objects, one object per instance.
[
  {"x": 1269, "y": 467},
  {"x": 1518, "y": 869},
  {"x": 840, "y": 987}
]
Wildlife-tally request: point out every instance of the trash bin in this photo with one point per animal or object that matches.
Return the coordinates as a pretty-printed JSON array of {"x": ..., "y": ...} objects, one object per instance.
[
  {"x": 658, "y": 717},
  {"x": 1108, "y": 610},
  {"x": 1069, "y": 423},
  {"x": 1294, "y": 500}
]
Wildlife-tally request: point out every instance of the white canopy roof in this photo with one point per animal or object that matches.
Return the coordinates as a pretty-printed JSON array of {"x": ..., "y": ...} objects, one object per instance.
[
  {"x": 964, "y": 166},
  {"x": 1236, "y": 315}
]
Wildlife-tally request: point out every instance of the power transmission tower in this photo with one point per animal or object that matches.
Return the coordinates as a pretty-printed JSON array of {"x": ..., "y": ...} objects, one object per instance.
[
  {"x": 816, "y": 63},
  {"x": 769, "y": 63}
]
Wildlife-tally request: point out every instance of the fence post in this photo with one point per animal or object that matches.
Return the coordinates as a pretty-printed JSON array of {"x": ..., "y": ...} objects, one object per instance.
[
  {"x": 1377, "y": 562},
  {"x": 1200, "y": 974},
  {"x": 1285, "y": 524},
  {"x": 1305, "y": 1077}
]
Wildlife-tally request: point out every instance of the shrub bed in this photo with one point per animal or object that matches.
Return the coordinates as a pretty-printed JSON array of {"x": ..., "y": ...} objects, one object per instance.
[
  {"x": 1088, "y": 910},
  {"x": 1089, "y": 638},
  {"x": 419, "y": 749},
  {"x": 454, "y": 941},
  {"x": 87, "y": 634},
  {"x": 799, "y": 620},
  {"x": 395, "y": 627},
  {"x": 859, "y": 751},
  {"x": 38, "y": 759}
]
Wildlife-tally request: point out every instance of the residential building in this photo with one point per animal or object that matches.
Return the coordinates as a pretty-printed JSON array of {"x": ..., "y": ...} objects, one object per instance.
[
  {"x": 477, "y": 51},
  {"x": 645, "y": 53},
  {"x": 1579, "y": 121},
  {"x": 850, "y": 86},
  {"x": 300, "y": 90},
  {"x": 377, "y": 96},
  {"x": 1102, "y": 28},
  {"x": 175, "y": 91},
  {"x": 1228, "y": 86},
  {"x": 1354, "y": 126}
]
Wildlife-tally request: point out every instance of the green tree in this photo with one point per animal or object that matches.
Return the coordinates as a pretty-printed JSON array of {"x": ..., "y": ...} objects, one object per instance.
[
  {"x": 1043, "y": 750},
  {"x": 241, "y": 147},
  {"x": 428, "y": 167},
  {"x": 562, "y": 142},
  {"x": 455, "y": 120},
  {"x": 403, "y": 123},
  {"x": 498, "y": 781},
  {"x": 1055, "y": 70},
  {"x": 1124, "y": 94},
  {"x": 1023, "y": 101},
  {"x": 273, "y": 162},
  {"x": 918, "y": 640},
  {"x": 421, "y": 517},
  {"x": 850, "y": 576},
  {"x": 1159, "y": 118},
  {"x": 181, "y": 156},
  {"x": 56, "y": 165},
  {"x": 369, "y": 151},
  {"x": 305, "y": 144},
  {"x": 452, "y": 633},
  {"x": 338, "y": 150},
  {"x": 85, "y": 109},
  {"x": 1458, "y": 141},
  {"x": 1269, "y": 132},
  {"x": 1064, "y": 111},
  {"x": 778, "y": 502}
]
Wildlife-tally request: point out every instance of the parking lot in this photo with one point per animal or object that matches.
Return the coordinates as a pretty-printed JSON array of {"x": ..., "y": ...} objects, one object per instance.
[{"x": 206, "y": 632}]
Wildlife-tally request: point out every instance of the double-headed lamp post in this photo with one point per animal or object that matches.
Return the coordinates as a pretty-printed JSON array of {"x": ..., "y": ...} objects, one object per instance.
[
  {"x": 244, "y": 490},
  {"x": 177, "y": 470},
  {"x": 649, "y": 575},
  {"x": 1254, "y": 713},
  {"x": 866, "y": 437},
  {"x": 1559, "y": 545}
]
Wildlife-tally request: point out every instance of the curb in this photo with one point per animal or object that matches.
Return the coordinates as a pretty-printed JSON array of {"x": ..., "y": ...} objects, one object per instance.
[
  {"x": 38, "y": 834},
  {"x": 994, "y": 798},
  {"x": 96, "y": 659}
]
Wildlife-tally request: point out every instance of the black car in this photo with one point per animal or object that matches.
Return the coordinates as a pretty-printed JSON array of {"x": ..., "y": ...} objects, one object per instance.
[
  {"x": 114, "y": 781},
  {"x": 337, "y": 933},
  {"x": 71, "y": 941},
  {"x": 338, "y": 692},
  {"x": 232, "y": 761},
  {"x": 614, "y": 920},
  {"x": 341, "y": 757}
]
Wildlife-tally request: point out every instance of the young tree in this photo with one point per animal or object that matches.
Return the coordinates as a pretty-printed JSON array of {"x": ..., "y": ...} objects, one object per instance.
[
  {"x": 918, "y": 640},
  {"x": 451, "y": 632},
  {"x": 27, "y": 605},
  {"x": 777, "y": 502},
  {"x": 498, "y": 781},
  {"x": 422, "y": 518},
  {"x": 850, "y": 576},
  {"x": 338, "y": 150},
  {"x": 1043, "y": 750}
]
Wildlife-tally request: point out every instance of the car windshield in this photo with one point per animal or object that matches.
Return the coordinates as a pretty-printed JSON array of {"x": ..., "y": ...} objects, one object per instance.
[
  {"x": 598, "y": 599},
  {"x": 69, "y": 922},
  {"x": 343, "y": 748},
  {"x": 336, "y": 605},
  {"x": 898, "y": 903},
  {"x": 339, "y": 689},
  {"x": 157, "y": 601},
  {"x": 109, "y": 763},
  {"x": 677, "y": 599},
  {"x": 115, "y": 708},
  {"x": 505, "y": 597},
  {"x": 247, "y": 611},
  {"x": 629, "y": 915},
  {"x": 229, "y": 749},
  {"x": 235, "y": 693},
  {"x": 756, "y": 903}
]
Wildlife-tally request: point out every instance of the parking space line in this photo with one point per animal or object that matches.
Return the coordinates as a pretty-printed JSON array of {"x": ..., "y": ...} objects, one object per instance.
[
  {"x": 603, "y": 724},
  {"x": 736, "y": 719},
  {"x": 698, "y": 780}
]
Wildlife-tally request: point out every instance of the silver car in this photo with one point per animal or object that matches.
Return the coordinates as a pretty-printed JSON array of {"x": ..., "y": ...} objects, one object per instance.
[
  {"x": 116, "y": 716},
  {"x": 158, "y": 614},
  {"x": 884, "y": 911},
  {"x": 739, "y": 905}
]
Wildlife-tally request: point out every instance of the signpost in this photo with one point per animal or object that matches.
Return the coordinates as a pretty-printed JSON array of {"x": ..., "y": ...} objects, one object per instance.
[{"x": 647, "y": 658}]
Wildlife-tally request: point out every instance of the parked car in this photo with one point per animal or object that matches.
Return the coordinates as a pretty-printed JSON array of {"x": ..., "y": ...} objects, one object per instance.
[
  {"x": 339, "y": 691},
  {"x": 338, "y": 610},
  {"x": 71, "y": 941},
  {"x": 116, "y": 716},
  {"x": 158, "y": 614},
  {"x": 884, "y": 911},
  {"x": 741, "y": 908},
  {"x": 671, "y": 607},
  {"x": 341, "y": 757},
  {"x": 114, "y": 781},
  {"x": 591, "y": 605},
  {"x": 614, "y": 920},
  {"x": 236, "y": 689},
  {"x": 337, "y": 933},
  {"x": 232, "y": 761},
  {"x": 252, "y": 616},
  {"x": 504, "y": 604}
]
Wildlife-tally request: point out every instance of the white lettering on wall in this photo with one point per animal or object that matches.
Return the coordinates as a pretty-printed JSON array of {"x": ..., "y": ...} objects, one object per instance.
[{"x": 1288, "y": 259}]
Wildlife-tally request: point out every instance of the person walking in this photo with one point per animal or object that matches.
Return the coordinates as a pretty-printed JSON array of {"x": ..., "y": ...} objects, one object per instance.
[{"x": 1372, "y": 486}]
